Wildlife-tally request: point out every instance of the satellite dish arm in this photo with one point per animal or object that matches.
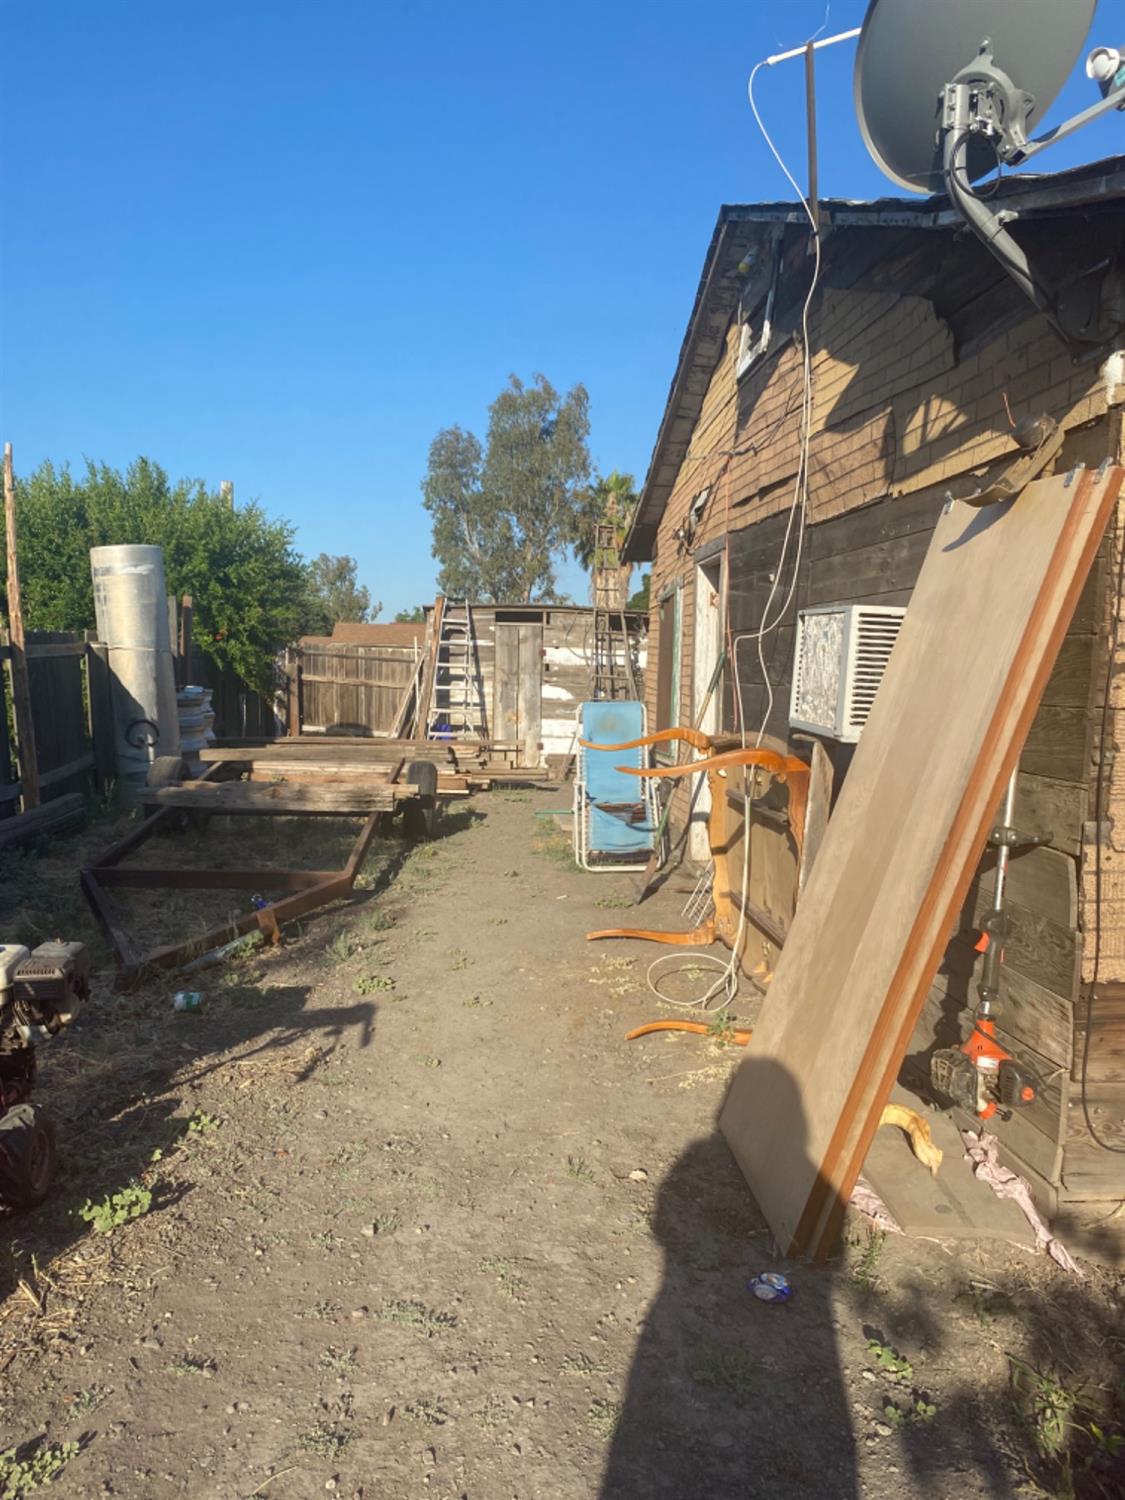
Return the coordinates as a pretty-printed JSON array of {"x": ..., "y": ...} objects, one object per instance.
[{"x": 989, "y": 228}]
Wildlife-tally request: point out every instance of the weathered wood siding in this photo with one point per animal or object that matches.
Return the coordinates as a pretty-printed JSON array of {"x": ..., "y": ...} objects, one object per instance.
[{"x": 900, "y": 406}]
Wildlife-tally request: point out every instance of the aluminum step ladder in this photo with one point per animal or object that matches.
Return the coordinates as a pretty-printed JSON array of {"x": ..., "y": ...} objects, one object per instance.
[{"x": 457, "y": 708}]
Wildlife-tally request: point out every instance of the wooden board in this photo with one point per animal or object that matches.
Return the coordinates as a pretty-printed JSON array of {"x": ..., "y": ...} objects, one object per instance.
[
  {"x": 992, "y": 604},
  {"x": 530, "y": 693},
  {"x": 506, "y": 684},
  {"x": 357, "y": 799}
]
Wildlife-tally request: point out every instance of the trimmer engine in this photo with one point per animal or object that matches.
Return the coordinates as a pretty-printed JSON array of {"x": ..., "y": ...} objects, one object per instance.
[
  {"x": 980, "y": 1075},
  {"x": 40, "y": 993}
]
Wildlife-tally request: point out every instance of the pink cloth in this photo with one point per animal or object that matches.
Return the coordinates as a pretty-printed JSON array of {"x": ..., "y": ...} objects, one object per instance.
[{"x": 983, "y": 1151}]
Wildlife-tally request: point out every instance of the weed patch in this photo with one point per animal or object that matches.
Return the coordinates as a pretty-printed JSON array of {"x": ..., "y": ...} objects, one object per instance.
[
  {"x": 417, "y": 1315},
  {"x": 727, "y": 1369},
  {"x": 116, "y": 1209},
  {"x": 20, "y": 1476}
]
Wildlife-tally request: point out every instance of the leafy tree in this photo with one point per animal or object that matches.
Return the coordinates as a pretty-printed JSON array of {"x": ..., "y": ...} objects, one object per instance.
[
  {"x": 415, "y": 616},
  {"x": 504, "y": 513},
  {"x": 610, "y": 501},
  {"x": 335, "y": 594},
  {"x": 640, "y": 600},
  {"x": 247, "y": 583}
]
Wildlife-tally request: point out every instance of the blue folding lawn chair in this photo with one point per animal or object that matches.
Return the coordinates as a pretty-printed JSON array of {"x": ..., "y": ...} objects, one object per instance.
[{"x": 615, "y": 814}]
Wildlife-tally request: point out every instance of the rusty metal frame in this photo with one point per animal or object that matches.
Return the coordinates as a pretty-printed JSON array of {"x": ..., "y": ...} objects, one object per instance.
[{"x": 307, "y": 890}]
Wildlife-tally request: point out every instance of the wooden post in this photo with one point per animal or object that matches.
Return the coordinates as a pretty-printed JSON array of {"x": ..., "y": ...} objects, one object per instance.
[
  {"x": 294, "y": 672},
  {"x": 185, "y": 638},
  {"x": 101, "y": 712},
  {"x": 21, "y": 687}
]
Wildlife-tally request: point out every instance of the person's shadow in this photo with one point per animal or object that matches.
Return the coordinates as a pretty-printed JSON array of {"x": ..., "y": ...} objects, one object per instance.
[{"x": 729, "y": 1396}]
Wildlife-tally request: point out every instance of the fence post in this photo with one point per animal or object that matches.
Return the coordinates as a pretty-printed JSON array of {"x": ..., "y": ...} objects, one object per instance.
[
  {"x": 185, "y": 638},
  {"x": 21, "y": 688},
  {"x": 101, "y": 712},
  {"x": 293, "y": 668}
]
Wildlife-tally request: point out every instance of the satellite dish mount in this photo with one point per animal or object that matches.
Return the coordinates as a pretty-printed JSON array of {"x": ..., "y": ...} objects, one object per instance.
[{"x": 909, "y": 53}]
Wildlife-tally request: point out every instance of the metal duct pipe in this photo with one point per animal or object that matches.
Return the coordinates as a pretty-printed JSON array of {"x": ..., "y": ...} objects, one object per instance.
[{"x": 131, "y": 606}]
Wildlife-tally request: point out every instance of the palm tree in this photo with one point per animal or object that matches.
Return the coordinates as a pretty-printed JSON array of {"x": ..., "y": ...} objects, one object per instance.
[{"x": 610, "y": 501}]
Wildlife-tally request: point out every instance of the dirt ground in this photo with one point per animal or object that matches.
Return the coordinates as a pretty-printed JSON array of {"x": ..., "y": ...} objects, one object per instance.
[{"x": 422, "y": 1222}]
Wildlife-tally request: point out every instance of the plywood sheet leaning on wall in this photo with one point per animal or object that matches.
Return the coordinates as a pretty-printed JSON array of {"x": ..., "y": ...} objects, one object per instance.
[{"x": 985, "y": 622}]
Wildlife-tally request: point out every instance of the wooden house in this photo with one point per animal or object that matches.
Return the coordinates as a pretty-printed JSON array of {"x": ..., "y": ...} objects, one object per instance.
[{"x": 922, "y": 355}]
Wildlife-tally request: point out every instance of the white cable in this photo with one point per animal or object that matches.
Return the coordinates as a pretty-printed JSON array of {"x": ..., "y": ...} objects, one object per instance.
[{"x": 727, "y": 983}]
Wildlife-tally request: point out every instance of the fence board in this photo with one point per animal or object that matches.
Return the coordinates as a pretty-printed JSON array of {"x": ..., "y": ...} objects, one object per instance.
[{"x": 353, "y": 689}]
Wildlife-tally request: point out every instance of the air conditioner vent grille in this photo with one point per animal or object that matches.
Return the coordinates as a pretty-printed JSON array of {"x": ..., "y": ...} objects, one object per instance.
[{"x": 842, "y": 654}]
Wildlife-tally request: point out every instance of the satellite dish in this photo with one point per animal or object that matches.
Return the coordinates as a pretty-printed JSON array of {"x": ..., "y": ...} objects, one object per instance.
[
  {"x": 911, "y": 50},
  {"x": 945, "y": 90}
]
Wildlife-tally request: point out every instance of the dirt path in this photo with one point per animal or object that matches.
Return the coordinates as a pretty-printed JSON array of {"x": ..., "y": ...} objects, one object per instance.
[{"x": 424, "y": 1224}]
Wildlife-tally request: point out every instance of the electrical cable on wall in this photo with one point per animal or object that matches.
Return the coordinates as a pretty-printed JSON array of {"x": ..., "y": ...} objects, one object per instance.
[{"x": 725, "y": 988}]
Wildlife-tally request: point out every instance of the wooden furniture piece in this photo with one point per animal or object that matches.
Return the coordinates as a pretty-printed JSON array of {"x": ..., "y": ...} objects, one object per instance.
[
  {"x": 984, "y": 625},
  {"x": 726, "y": 922}
]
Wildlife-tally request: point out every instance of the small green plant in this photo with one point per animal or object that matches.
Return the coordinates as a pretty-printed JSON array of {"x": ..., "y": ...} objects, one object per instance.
[
  {"x": 578, "y": 1364},
  {"x": 417, "y": 1315},
  {"x": 730, "y": 1369},
  {"x": 21, "y": 1476},
  {"x": 340, "y": 949},
  {"x": 459, "y": 959},
  {"x": 324, "y": 1239},
  {"x": 81, "y": 1403},
  {"x": 424, "y": 1410},
  {"x": 890, "y": 1361},
  {"x": 476, "y": 1002},
  {"x": 865, "y": 1272},
  {"x": 321, "y": 1310},
  {"x": 373, "y": 984},
  {"x": 603, "y": 1416},
  {"x": 387, "y": 1223},
  {"x": 428, "y": 1062},
  {"x": 721, "y": 1024},
  {"x": 190, "y": 1365},
  {"x": 613, "y": 901},
  {"x": 201, "y": 1123},
  {"x": 515, "y": 796},
  {"x": 382, "y": 921},
  {"x": 510, "y": 1284},
  {"x": 339, "y": 1361},
  {"x": 498, "y": 921},
  {"x": 916, "y": 1414},
  {"x": 323, "y": 1442},
  {"x": 1044, "y": 1405},
  {"x": 117, "y": 1208},
  {"x": 579, "y": 1169}
]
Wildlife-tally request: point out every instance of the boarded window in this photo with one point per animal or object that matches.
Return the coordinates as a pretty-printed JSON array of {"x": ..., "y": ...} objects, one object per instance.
[{"x": 668, "y": 662}]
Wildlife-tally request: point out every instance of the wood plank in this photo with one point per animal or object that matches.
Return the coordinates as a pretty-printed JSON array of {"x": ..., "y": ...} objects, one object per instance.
[
  {"x": 530, "y": 692},
  {"x": 1058, "y": 744},
  {"x": 1071, "y": 682},
  {"x": 1045, "y": 805},
  {"x": 1105, "y": 1062},
  {"x": 1040, "y": 880},
  {"x": 356, "y": 799},
  {"x": 56, "y": 816},
  {"x": 899, "y": 855},
  {"x": 505, "y": 686},
  {"x": 1089, "y": 1170}
]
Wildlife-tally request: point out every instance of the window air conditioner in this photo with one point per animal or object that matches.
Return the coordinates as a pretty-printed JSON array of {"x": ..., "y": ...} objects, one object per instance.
[{"x": 842, "y": 653}]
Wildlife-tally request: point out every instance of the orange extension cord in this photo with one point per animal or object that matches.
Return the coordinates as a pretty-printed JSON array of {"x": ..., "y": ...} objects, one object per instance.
[{"x": 739, "y": 1038}]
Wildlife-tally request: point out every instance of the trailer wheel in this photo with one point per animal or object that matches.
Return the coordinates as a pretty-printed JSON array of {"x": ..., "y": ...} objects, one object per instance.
[{"x": 419, "y": 816}]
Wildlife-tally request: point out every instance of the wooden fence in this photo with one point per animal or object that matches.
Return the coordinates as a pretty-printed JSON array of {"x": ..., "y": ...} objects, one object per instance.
[
  {"x": 339, "y": 689},
  {"x": 71, "y": 713}
]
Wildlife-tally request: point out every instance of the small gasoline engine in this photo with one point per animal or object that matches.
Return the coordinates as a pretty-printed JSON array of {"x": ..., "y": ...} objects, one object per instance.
[
  {"x": 981, "y": 1076},
  {"x": 40, "y": 993}
]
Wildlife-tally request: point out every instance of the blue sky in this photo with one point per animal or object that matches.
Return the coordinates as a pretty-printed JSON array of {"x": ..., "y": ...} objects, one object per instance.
[{"x": 286, "y": 243}]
